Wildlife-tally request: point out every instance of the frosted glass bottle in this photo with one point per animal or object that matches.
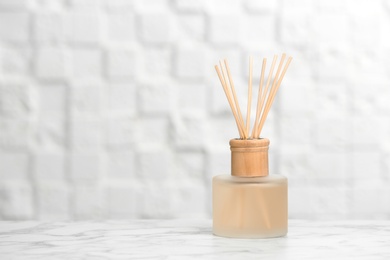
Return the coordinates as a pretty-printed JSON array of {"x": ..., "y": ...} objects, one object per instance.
[{"x": 249, "y": 203}]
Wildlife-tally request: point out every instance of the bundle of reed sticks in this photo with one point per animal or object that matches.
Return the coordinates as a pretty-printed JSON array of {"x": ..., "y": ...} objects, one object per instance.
[{"x": 266, "y": 94}]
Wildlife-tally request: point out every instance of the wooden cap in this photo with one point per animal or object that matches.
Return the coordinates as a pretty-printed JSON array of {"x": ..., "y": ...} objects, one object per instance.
[{"x": 249, "y": 157}]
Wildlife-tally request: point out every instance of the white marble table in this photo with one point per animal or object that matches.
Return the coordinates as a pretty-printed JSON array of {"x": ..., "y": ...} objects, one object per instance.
[{"x": 183, "y": 239}]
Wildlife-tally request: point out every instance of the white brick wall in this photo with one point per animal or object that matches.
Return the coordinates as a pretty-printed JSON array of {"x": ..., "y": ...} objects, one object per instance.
[{"x": 112, "y": 109}]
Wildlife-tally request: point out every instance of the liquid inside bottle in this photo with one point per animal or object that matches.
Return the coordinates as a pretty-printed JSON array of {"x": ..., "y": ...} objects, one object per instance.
[{"x": 253, "y": 207}]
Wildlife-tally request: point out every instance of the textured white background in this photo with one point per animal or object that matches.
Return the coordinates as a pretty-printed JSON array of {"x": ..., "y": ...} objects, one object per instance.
[{"x": 112, "y": 109}]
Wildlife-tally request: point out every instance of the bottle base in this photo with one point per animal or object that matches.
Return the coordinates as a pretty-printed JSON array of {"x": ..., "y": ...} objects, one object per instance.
[{"x": 249, "y": 235}]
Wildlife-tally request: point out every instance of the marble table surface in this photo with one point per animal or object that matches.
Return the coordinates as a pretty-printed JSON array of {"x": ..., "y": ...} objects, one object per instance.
[{"x": 190, "y": 239}]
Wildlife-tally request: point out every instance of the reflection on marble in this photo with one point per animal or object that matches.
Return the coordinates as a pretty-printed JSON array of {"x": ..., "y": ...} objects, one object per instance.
[{"x": 183, "y": 239}]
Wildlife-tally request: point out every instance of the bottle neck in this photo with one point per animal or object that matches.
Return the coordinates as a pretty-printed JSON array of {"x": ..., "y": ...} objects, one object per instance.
[{"x": 249, "y": 158}]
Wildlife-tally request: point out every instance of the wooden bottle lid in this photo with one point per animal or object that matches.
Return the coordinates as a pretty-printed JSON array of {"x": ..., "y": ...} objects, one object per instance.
[{"x": 249, "y": 157}]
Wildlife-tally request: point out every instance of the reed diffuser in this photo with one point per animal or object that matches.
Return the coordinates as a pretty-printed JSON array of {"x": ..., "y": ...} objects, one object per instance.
[{"x": 250, "y": 203}]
